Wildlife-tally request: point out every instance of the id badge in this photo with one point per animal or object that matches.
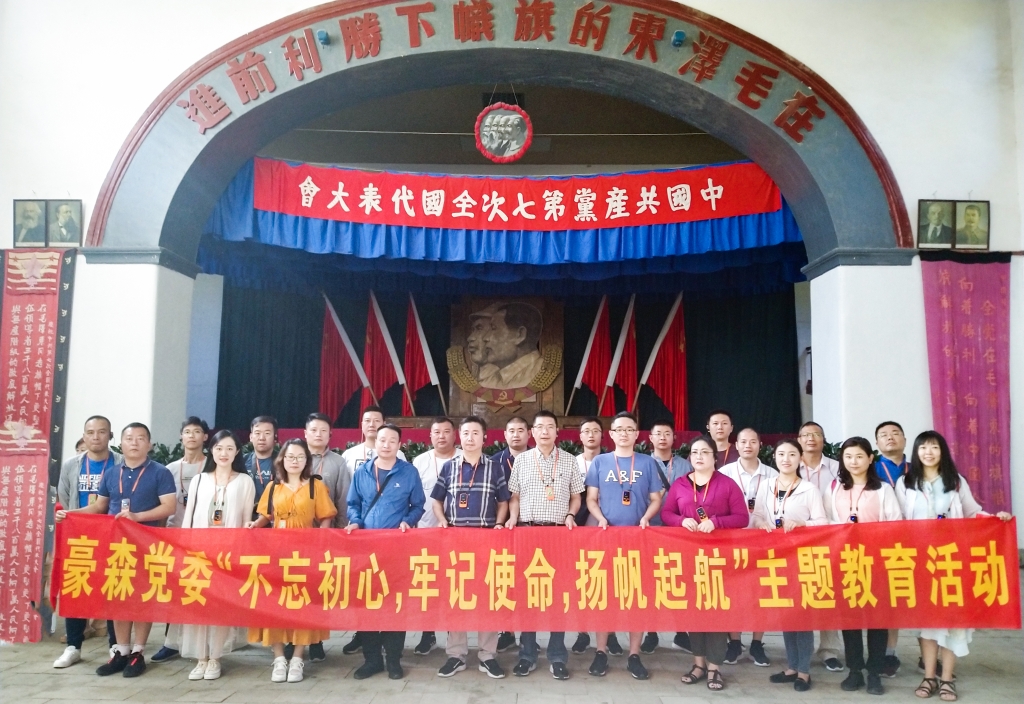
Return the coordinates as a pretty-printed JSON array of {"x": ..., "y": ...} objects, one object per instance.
[
  {"x": 750, "y": 505},
  {"x": 282, "y": 523},
  {"x": 853, "y": 518},
  {"x": 92, "y": 499},
  {"x": 463, "y": 500},
  {"x": 218, "y": 517},
  {"x": 702, "y": 514},
  {"x": 126, "y": 505},
  {"x": 627, "y": 498},
  {"x": 778, "y": 522},
  {"x": 551, "y": 493}
]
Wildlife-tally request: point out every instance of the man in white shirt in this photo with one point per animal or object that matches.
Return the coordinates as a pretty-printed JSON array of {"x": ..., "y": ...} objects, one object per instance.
[
  {"x": 355, "y": 457},
  {"x": 429, "y": 464},
  {"x": 194, "y": 434},
  {"x": 822, "y": 472},
  {"x": 750, "y": 474}
]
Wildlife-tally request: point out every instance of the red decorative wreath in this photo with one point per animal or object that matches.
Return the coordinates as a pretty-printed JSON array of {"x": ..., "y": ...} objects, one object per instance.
[{"x": 486, "y": 149}]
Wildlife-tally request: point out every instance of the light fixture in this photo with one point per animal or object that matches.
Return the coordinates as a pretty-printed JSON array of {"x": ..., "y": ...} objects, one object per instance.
[
  {"x": 678, "y": 38},
  {"x": 325, "y": 39}
]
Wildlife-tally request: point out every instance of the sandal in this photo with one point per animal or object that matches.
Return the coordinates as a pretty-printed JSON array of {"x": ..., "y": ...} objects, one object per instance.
[
  {"x": 947, "y": 691},
  {"x": 928, "y": 687},
  {"x": 715, "y": 681},
  {"x": 692, "y": 678}
]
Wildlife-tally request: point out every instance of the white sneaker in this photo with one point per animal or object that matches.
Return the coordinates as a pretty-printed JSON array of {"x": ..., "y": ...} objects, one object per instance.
[
  {"x": 212, "y": 670},
  {"x": 70, "y": 657},
  {"x": 295, "y": 668},
  {"x": 199, "y": 671},
  {"x": 280, "y": 672}
]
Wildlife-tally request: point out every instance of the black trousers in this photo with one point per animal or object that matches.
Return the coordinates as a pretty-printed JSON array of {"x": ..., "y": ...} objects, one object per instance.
[
  {"x": 392, "y": 643},
  {"x": 74, "y": 628},
  {"x": 854, "y": 643}
]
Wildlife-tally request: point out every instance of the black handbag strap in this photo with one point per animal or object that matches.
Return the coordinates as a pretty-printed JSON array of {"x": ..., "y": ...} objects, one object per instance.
[
  {"x": 273, "y": 482},
  {"x": 379, "y": 492}
]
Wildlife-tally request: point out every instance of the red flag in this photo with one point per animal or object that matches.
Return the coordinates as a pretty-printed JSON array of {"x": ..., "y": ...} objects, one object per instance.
[
  {"x": 338, "y": 377},
  {"x": 625, "y": 377},
  {"x": 416, "y": 373},
  {"x": 596, "y": 371},
  {"x": 376, "y": 361},
  {"x": 668, "y": 375}
]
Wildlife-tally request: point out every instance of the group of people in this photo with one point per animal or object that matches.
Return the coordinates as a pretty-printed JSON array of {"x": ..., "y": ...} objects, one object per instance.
[{"x": 721, "y": 485}]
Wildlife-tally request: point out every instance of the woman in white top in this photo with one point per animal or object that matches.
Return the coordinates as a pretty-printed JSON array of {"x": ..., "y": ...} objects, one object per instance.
[
  {"x": 933, "y": 489},
  {"x": 860, "y": 496},
  {"x": 221, "y": 496},
  {"x": 785, "y": 503}
]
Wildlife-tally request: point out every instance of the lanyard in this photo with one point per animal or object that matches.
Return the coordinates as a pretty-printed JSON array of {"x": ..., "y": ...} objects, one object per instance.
[
  {"x": 106, "y": 463},
  {"x": 778, "y": 511},
  {"x": 120, "y": 486},
  {"x": 632, "y": 463},
  {"x": 725, "y": 453},
  {"x": 757, "y": 486},
  {"x": 320, "y": 466},
  {"x": 855, "y": 508},
  {"x": 693, "y": 483},
  {"x": 472, "y": 479},
  {"x": 510, "y": 461},
  {"x": 888, "y": 474},
  {"x": 554, "y": 467},
  {"x": 376, "y": 475},
  {"x": 181, "y": 475}
]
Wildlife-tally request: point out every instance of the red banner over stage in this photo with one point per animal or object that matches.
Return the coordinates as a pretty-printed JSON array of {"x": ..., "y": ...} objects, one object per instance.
[
  {"x": 490, "y": 203},
  {"x": 951, "y": 573}
]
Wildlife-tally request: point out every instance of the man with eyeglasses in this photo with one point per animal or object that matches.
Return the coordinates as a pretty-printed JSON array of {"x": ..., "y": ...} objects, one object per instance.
[
  {"x": 892, "y": 464},
  {"x": 751, "y": 475},
  {"x": 546, "y": 487},
  {"x": 623, "y": 489},
  {"x": 591, "y": 433},
  {"x": 823, "y": 472}
]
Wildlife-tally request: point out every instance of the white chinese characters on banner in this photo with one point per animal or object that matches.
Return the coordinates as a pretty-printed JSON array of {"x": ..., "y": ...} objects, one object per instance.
[
  {"x": 712, "y": 193},
  {"x": 308, "y": 189}
]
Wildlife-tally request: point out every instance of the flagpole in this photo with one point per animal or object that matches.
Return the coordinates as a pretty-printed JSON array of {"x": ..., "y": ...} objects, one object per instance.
[
  {"x": 353, "y": 357},
  {"x": 586, "y": 352},
  {"x": 657, "y": 345},
  {"x": 614, "y": 369},
  {"x": 427, "y": 357},
  {"x": 392, "y": 352}
]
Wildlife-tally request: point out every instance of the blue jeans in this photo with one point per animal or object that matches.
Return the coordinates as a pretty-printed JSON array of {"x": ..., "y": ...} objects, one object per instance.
[
  {"x": 556, "y": 652},
  {"x": 799, "y": 647}
]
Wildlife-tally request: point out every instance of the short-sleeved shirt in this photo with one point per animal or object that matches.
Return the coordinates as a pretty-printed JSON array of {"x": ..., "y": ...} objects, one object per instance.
[
  {"x": 536, "y": 478},
  {"x": 142, "y": 485},
  {"x": 890, "y": 472},
  {"x": 89, "y": 474},
  {"x": 294, "y": 509},
  {"x": 262, "y": 476},
  {"x": 483, "y": 487},
  {"x": 505, "y": 460},
  {"x": 613, "y": 476}
]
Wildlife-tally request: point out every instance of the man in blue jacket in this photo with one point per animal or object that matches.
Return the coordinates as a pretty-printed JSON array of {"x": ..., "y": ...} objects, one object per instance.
[{"x": 385, "y": 493}]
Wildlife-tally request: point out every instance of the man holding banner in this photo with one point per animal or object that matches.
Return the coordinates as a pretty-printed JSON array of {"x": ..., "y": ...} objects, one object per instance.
[
  {"x": 546, "y": 486},
  {"x": 470, "y": 492},
  {"x": 386, "y": 492}
]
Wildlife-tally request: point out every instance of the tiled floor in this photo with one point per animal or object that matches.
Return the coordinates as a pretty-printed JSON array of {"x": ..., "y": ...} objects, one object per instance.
[{"x": 993, "y": 672}]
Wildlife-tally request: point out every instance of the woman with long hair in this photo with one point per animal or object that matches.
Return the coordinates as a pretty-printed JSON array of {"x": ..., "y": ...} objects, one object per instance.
[
  {"x": 221, "y": 496},
  {"x": 785, "y": 503},
  {"x": 931, "y": 489},
  {"x": 294, "y": 499},
  {"x": 702, "y": 502},
  {"x": 860, "y": 496}
]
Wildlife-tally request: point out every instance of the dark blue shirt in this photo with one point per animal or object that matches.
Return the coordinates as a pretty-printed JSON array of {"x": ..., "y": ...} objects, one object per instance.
[
  {"x": 402, "y": 499},
  {"x": 505, "y": 460},
  {"x": 143, "y": 485},
  {"x": 890, "y": 472},
  {"x": 262, "y": 477},
  {"x": 483, "y": 489}
]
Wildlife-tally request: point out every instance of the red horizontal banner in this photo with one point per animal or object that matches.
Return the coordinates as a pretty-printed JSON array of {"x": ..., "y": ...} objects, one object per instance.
[
  {"x": 913, "y": 574},
  {"x": 486, "y": 203}
]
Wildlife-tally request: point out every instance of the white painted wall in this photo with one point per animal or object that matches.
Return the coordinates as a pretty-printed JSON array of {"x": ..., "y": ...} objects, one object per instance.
[
  {"x": 204, "y": 347},
  {"x": 870, "y": 359},
  {"x": 129, "y": 348}
]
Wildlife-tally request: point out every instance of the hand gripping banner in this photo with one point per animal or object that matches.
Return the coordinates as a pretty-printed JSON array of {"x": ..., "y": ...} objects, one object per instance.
[{"x": 912, "y": 574}]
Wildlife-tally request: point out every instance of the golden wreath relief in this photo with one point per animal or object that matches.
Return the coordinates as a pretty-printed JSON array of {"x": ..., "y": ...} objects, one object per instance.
[{"x": 506, "y": 355}]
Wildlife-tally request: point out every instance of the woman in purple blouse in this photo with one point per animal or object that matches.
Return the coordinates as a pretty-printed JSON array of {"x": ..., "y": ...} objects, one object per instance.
[{"x": 702, "y": 502}]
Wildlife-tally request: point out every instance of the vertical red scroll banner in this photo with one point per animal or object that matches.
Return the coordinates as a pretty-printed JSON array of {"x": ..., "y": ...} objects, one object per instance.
[
  {"x": 967, "y": 312},
  {"x": 27, "y": 352}
]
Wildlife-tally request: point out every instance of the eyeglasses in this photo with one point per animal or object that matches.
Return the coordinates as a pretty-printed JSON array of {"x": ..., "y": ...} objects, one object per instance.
[
  {"x": 623, "y": 430},
  {"x": 294, "y": 458},
  {"x": 805, "y": 436},
  {"x": 701, "y": 453}
]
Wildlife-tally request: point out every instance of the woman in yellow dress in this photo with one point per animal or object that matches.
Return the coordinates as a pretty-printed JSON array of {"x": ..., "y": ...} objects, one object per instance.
[{"x": 292, "y": 500}]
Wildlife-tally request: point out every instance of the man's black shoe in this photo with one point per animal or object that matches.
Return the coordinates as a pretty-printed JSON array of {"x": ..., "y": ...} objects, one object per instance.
[
  {"x": 853, "y": 681},
  {"x": 599, "y": 668},
  {"x": 875, "y": 685},
  {"x": 426, "y": 644},
  {"x": 559, "y": 671},
  {"x": 353, "y": 646},
  {"x": 395, "y": 671},
  {"x": 650, "y": 643},
  {"x": 368, "y": 669},
  {"x": 613, "y": 644},
  {"x": 316, "y": 652},
  {"x": 636, "y": 668},
  {"x": 682, "y": 642},
  {"x": 582, "y": 643},
  {"x": 115, "y": 664},
  {"x": 505, "y": 641},
  {"x": 523, "y": 668}
]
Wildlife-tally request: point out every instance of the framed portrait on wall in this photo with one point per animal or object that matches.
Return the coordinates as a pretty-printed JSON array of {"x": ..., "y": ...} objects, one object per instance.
[
  {"x": 972, "y": 224},
  {"x": 935, "y": 220},
  {"x": 64, "y": 223},
  {"x": 30, "y": 223}
]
